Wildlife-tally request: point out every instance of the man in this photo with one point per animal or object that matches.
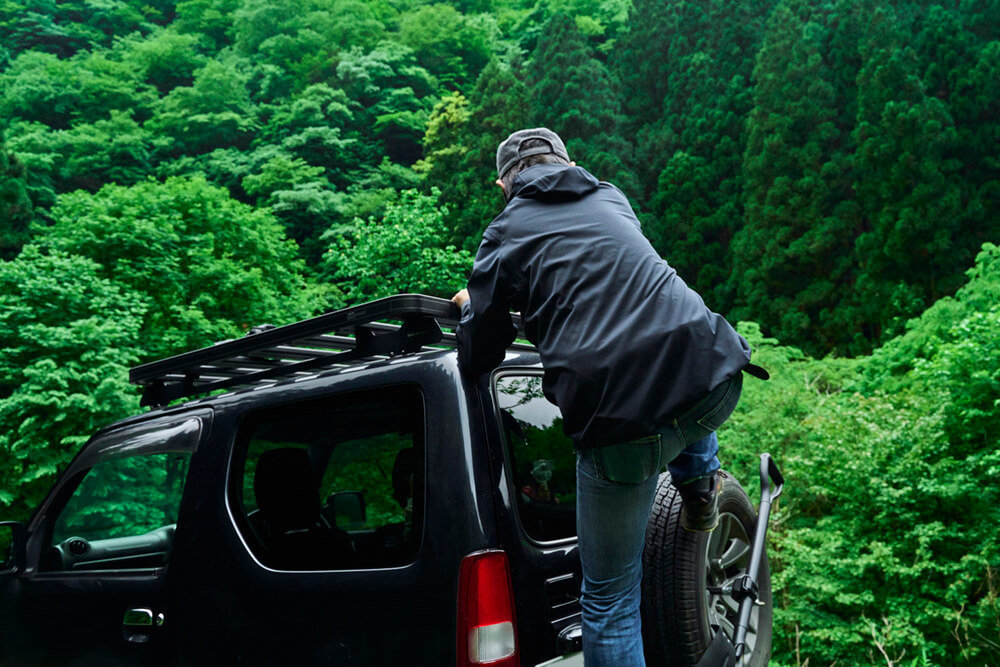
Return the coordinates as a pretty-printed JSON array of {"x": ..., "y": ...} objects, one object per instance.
[{"x": 641, "y": 370}]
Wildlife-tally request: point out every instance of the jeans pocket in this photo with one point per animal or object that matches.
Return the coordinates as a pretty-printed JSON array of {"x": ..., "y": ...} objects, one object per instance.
[
  {"x": 721, "y": 411},
  {"x": 629, "y": 462}
]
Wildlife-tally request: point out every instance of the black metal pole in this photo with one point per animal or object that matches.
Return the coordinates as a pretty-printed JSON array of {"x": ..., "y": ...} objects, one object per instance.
[{"x": 768, "y": 471}]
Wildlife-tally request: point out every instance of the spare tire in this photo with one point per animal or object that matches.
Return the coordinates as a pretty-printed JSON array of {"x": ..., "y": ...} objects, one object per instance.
[{"x": 680, "y": 616}]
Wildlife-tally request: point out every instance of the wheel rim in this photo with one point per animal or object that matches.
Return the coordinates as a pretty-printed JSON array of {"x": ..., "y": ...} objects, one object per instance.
[{"x": 727, "y": 558}]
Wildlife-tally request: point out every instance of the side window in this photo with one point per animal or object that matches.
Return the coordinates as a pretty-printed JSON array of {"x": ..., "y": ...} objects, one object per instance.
[
  {"x": 543, "y": 458},
  {"x": 122, "y": 515},
  {"x": 6, "y": 547},
  {"x": 334, "y": 483}
]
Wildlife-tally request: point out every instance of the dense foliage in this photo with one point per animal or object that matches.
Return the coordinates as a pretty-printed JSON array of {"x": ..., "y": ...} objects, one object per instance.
[
  {"x": 825, "y": 169},
  {"x": 173, "y": 172},
  {"x": 886, "y": 546}
]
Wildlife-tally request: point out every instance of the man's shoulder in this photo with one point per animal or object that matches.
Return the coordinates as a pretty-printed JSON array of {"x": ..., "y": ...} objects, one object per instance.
[
  {"x": 495, "y": 230},
  {"x": 617, "y": 204},
  {"x": 608, "y": 185},
  {"x": 511, "y": 220}
]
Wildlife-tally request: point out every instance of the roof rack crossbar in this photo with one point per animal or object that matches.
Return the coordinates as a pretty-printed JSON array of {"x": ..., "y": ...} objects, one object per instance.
[
  {"x": 325, "y": 341},
  {"x": 333, "y": 339},
  {"x": 193, "y": 378},
  {"x": 243, "y": 364},
  {"x": 287, "y": 352},
  {"x": 269, "y": 374},
  {"x": 213, "y": 373}
]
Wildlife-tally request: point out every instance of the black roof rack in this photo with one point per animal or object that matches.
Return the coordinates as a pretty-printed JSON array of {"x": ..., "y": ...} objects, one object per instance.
[{"x": 340, "y": 337}]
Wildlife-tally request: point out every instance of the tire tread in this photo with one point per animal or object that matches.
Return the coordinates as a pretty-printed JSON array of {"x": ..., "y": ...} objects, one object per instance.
[{"x": 673, "y": 626}]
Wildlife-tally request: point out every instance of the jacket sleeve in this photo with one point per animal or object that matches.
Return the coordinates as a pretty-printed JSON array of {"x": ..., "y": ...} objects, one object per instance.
[{"x": 486, "y": 328}]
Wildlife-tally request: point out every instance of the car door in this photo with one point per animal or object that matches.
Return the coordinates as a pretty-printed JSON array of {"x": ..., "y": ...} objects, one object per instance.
[
  {"x": 95, "y": 586},
  {"x": 537, "y": 515},
  {"x": 336, "y": 535}
]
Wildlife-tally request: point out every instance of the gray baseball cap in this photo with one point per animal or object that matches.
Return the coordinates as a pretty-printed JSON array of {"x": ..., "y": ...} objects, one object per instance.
[{"x": 510, "y": 151}]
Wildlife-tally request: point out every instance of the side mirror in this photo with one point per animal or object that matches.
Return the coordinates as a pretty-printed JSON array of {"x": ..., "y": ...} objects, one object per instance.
[{"x": 12, "y": 544}]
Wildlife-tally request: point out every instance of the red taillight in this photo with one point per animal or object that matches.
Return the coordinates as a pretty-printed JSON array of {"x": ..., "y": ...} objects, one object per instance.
[{"x": 486, "y": 629}]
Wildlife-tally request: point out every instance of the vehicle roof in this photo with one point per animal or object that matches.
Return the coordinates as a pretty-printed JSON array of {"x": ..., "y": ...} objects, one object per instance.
[
  {"x": 329, "y": 376},
  {"x": 383, "y": 329}
]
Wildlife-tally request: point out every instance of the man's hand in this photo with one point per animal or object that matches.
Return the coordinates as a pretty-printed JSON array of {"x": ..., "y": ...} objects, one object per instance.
[{"x": 461, "y": 297}]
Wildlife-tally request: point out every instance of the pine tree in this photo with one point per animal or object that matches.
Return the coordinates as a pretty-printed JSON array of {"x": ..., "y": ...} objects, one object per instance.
[
  {"x": 945, "y": 50},
  {"x": 15, "y": 206},
  {"x": 909, "y": 252},
  {"x": 498, "y": 107},
  {"x": 974, "y": 104},
  {"x": 572, "y": 93},
  {"x": 641, "y": 59},
  {"x": 792, "y": 258},
  {"x": 685, "y": 72}
]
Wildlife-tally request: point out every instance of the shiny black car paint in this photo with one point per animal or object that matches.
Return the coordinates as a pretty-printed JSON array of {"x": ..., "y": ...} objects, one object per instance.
[{"x": 221, "y": 605}]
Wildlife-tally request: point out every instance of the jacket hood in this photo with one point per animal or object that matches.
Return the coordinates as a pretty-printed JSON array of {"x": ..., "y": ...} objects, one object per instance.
[{"x": 553, "y": 182}]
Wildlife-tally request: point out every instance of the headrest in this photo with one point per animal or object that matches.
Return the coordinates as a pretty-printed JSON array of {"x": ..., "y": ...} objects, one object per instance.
[
  {"x": 405, "y": 469},
  {"x": 286, "y": 490}
]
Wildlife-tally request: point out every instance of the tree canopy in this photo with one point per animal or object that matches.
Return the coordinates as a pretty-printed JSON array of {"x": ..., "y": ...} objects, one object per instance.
[{"x": 173, "y": 172}]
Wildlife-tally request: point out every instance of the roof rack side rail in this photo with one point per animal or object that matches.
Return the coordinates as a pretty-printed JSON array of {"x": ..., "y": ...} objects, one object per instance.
[{"x": 269, "y": 352}]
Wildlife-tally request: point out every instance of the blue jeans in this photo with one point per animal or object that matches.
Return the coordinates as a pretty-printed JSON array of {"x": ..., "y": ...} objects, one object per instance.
[{"x": 615, "y": 490}]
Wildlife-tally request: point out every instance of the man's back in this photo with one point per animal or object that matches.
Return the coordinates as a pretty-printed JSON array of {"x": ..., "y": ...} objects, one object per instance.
[
  {"x": 642, "y": 371},
  {"x": 624, "y": 342}
]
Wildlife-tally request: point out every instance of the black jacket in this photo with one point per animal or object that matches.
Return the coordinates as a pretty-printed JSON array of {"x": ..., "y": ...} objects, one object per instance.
[{"x": 626, "y": 345}]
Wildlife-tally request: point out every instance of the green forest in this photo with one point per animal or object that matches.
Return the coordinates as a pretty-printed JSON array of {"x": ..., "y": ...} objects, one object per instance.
[{"x": 826, "y": 174}]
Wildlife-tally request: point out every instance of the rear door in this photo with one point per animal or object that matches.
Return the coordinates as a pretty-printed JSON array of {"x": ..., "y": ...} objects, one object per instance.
[
  {"x": 96, "y": 587},
  {"x": 345, "y": 512},
  {"x": 537, "y": 513}
]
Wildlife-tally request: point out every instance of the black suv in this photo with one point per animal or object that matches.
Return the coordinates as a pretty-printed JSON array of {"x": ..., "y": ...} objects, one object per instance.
[{"x": 352, "y": 499}]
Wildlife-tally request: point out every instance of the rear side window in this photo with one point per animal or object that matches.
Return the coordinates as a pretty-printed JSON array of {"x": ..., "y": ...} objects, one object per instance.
[
  {"x": 542, "y": 457},
  {"x": 333, "y": 483}
]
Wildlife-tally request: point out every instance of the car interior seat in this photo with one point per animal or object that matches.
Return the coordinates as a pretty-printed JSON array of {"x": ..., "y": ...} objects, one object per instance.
[{"x": 288, "y": 522}]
